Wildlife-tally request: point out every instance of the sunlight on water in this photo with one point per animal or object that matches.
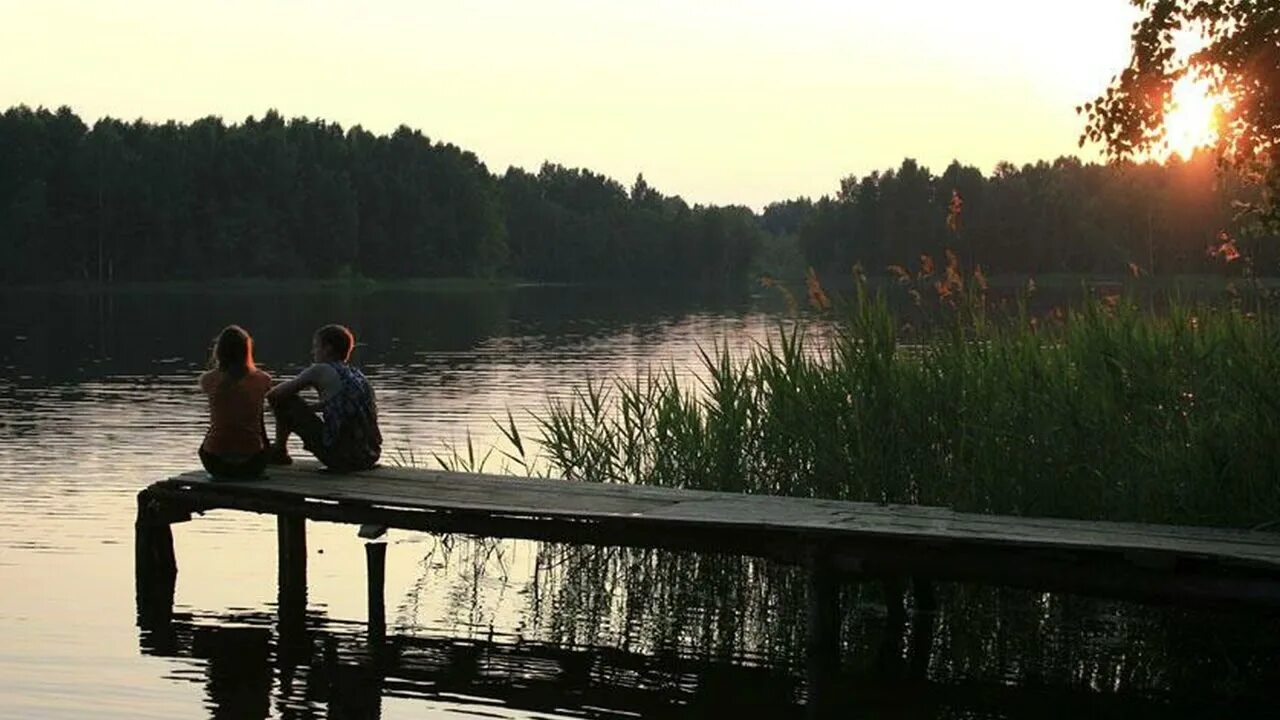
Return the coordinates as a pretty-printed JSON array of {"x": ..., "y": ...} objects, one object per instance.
[{"x": 98, "y": 399}]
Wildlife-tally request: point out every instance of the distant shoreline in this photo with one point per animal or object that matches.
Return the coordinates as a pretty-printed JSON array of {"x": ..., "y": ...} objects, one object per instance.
[
  {"x": 261, "y": 284},
  {"x": 252, "y": 285},
  {"x": 1065, "y": 281},
  {"x": 1159, "y": 282}
]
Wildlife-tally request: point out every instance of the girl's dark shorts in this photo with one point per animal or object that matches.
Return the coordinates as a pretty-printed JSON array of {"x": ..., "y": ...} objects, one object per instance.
[{"x": 224, "y": 468}]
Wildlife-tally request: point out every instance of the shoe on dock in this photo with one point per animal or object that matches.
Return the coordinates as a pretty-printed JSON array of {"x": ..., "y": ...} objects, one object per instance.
[
  {"x": 372, "y": 531},
  {"x": 278, "y": 455}
]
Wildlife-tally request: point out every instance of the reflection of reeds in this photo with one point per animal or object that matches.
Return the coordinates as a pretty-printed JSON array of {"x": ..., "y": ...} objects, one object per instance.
[
  {"x": 673, "y": 604},
  {"x": 684, "y": 605}
]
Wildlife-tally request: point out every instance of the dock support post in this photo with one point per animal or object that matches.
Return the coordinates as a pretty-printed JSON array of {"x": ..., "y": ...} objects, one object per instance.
[
  {"x": 824, "y": 635},
  {"x": 155, "y": 567},
  {"x": 291, "y": 537},
  {"x": 376, "y": 559},
  {"x": 922, "y": 591},
  {"x": 894, "y": 588}
]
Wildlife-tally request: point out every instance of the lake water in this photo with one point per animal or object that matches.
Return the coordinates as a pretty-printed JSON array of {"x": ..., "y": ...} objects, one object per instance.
[{"x": 97, "y": 399}]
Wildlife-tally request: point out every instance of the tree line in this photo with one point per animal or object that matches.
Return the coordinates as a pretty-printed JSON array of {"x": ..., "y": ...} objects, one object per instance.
[
  {"x": 270, "y": 197},
  {"x": 124, "y": 201},
  {"x": 1063, "y": 216}
]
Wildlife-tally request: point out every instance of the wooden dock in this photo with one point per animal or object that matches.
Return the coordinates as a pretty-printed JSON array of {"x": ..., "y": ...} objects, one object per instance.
[{"x": 1147, "y": 563}]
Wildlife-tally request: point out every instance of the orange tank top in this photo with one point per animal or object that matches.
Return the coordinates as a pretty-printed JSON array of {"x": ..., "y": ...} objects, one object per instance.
[{"x": 235, "y": 412}]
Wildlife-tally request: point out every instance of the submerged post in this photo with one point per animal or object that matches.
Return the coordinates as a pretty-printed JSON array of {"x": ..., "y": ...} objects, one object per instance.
[
  {"x": 823, "y": 662},
  {"x": 153, "y": 556},
  {"x": 155, "y": 567},
  {"x": 291, "y": 537},
  {"x": 925, "y": 599},
  {"x": 376, "y": 559}
]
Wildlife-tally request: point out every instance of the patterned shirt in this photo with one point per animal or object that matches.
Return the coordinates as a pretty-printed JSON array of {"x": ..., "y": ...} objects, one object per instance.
[{"x": 351, "y": 420}]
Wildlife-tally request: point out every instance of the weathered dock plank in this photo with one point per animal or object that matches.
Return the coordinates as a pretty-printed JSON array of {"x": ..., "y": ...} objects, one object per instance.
[
  {"x": 1159, "y": 563},
  {"x": 302, "y": 489}
]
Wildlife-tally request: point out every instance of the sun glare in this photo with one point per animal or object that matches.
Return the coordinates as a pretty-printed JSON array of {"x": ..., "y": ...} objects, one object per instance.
[{"x": 1191, "y": 119}]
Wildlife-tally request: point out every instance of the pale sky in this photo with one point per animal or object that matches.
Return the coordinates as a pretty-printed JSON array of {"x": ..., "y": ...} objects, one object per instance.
[{"x": 720, "y": 101}]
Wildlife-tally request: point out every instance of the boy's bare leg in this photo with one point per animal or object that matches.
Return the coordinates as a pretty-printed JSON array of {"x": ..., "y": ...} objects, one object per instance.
[{"x": 278, "y": 453}]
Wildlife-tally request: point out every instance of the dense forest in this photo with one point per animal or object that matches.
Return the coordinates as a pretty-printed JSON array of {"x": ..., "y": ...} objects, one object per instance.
[
  {"x": 304, "y": 198},
  {"x": 270, "y": 197},
  {"x": 1059, "y": 217}
]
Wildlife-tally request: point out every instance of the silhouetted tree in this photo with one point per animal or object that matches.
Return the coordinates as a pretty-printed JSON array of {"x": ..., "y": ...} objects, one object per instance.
[{"x": 1240, "y": 60}]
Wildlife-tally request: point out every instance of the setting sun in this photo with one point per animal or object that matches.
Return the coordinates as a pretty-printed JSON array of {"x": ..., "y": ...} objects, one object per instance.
[{"x": 1191, "y": 120}]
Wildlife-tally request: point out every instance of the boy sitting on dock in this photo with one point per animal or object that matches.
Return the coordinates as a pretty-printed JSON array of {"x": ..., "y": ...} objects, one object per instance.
[{"x": 344, "y": 436}]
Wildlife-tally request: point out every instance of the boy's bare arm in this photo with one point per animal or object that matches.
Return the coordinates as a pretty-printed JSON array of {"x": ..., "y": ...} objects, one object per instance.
[{"x": 291, "y": 387}]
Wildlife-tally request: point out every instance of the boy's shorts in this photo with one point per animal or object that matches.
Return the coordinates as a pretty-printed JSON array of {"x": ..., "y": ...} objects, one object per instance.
[{"x": 307, "y": 425}]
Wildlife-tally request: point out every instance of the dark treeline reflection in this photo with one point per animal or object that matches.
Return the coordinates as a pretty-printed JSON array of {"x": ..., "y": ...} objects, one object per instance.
[
  {"x": 614, "y": 632},
  {"x": 52, "y": 336},
  {"x": 137, "y": 201}
]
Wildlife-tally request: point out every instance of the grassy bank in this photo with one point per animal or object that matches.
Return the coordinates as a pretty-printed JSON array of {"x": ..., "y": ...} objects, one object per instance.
[{"x": 1107, "y": 411}]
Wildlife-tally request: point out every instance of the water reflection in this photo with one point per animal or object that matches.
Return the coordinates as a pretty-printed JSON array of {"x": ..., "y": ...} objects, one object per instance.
[
  {"x": 58, "y": 337},
  {"x": 616, "y": 633},
  {"x": 333, "y": 670},
  {"x": 97, "y": 399},
  {"x": 752, "y": 610}
]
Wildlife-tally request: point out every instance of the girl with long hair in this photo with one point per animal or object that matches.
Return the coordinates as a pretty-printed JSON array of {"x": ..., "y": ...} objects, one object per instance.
[{"x": 236, "y": 444}]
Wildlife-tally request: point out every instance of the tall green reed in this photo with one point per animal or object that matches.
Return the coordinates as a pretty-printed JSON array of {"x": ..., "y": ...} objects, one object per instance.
[{"x": 1105, "y": 411}]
